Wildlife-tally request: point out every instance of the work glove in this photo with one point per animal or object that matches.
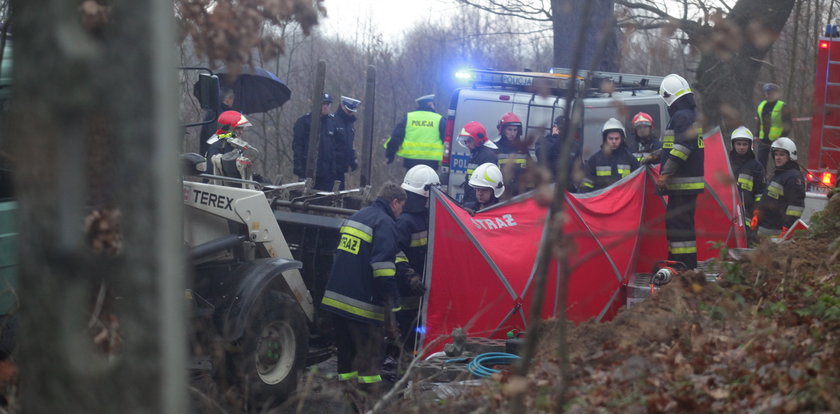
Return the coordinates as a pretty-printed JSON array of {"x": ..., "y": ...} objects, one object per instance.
[
  {"x": 649, "y": 159},
  {"x": 416, "y": 284},
  {"x": 662, "y": 181}
]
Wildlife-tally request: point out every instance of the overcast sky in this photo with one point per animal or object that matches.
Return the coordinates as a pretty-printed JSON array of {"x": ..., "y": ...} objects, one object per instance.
[{"x": 391, "y": 17}]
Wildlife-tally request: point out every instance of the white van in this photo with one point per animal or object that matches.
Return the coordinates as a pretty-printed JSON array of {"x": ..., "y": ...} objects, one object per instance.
[{"x": 492, "y": 93}]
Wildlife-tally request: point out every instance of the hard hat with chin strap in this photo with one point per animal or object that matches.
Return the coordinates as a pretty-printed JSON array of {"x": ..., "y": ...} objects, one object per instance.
[
  {"x": 420, "y": 179},
  {"x": 488, "y": 175},
  {"x": 673, "y": 87},
  {"x": 612, "y": 124},
  {"x": 787, "y": 144},
  {"x": 742, "y": 133}
]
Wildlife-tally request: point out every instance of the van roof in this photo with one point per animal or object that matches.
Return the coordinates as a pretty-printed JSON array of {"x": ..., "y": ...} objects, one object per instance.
[{"x": 558, "y": 80}]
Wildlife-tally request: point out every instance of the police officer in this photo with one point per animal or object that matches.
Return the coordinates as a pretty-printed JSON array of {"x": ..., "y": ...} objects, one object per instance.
[
  {"x": 647, "y": 147},
  {"x": 681, "y": 170},
  {"x": 330, "y": 145},
  {"x": 482, "y": 151},
  {"x": 784, "y": 198},
  {"x": 418, "y": 137},
  {"x": 361, "y": 292},
  {"x": 613, "y": 162},
  {"x": 345, "y": 115},
  {"x": 774, "y": 121},
  {"x": 413, "y": 227},
  {"x": 489, "y": 184},
  {"x": 748, "y": 172},
  {"x": 513, "y": 151},
  {"x": 548, "y": 151}
]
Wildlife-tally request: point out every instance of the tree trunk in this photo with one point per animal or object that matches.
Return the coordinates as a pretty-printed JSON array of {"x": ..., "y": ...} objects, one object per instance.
[
  {"x": 565, "y": 22},
  {"x": 726, "y": 75},
  {"x": 96, "y": 83}
]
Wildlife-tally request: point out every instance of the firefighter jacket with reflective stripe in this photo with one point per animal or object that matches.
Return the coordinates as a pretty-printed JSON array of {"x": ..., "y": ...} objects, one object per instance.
[
  {"x": 513, "y": 160},
  {"x": 363, "y": 271},
  {"x": 409, "y": 299},
  {"x": 650, "y": 146},
  {"x": 422, "y": 139},
  {"x": 602, "y": 170},
  {"x": 479, "y": 155},
  {"x": 783, "y": 200},
  {"x": 749, "y": 177},
  {"x": 776, "y": 123},
  {"x": 682, "y": 150},
  {"x": 413, "y": 228}
]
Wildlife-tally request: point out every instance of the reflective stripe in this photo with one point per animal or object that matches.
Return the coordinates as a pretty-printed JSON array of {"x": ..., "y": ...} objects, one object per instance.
[
  {"x": 685, "y": 183},
  {"x": 745, "y": 181},
  {"x": 369, "y": 379},
  {"x": 587, "y": 183},
  {"x": 382, "y": 269},
  {"x": 795, "y": 211},
  {"x": 419, "y": 239},
  {"x": 354, "y": 306},
  {"x": 685, "y": 247},
  {"x": 764, "y": 231},
  {"x": 681, "y": 151},
  {"x": 401, "y": 258},
  {"x": 513, "y": 158},
  {"x": 603, "y": 171},
  {"x": 757, "y": 198},
  {"x": 623, "y": 170},
  {"x": 775, "y": 190},
  {"x": 668, "y": 139},
  {"x": 348, "y": 375},
  {"x": 682, "y": 92},
  {"x": 357, "y": 229}
]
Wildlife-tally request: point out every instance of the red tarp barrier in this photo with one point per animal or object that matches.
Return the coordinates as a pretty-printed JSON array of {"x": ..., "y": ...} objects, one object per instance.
[{"x": 480, "y": 269}]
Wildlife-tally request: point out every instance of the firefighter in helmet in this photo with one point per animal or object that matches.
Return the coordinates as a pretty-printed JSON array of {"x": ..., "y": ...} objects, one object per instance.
[
  {"x": 232, "y": 124},
  {"x": 613, "y": 162},
  {"x": 646, "y": 145},
  {"x": 513, "y": 153},
  {"x": 748, "y": 172},
  {"x": 482, "y": 151},
  {"x": 784, "y": 197},
  {"x": 413, "y": 228},
  {"x": 681, "y": 169},
  {"x": 489, "y": 184}
]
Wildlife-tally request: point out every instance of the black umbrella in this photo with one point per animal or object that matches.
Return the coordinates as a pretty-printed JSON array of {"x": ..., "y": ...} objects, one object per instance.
[{"x": 255, "y": 89}]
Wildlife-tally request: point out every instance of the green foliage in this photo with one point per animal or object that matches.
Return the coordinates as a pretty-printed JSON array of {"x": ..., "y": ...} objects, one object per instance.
[
  {"x": 826, "y": 307},
  {"x": 772, "y": 309}
]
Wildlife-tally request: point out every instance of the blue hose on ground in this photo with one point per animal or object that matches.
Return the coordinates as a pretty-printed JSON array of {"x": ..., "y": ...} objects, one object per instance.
[{"x": 479, "y": 366}]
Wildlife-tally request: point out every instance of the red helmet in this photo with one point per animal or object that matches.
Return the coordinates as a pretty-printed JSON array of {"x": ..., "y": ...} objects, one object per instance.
[
  {"x": 642, "y": 119},
  {"x": 478, "y": 134},
  {"x": 509, "y": 119},
  {"x": 229, "y": 120}
]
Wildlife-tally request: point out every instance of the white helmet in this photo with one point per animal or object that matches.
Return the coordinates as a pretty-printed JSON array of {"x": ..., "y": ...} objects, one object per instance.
[
  {"x": 420, "y": 179},
  {"x": 613, "y": 124},
  {"x": 673, "y": 87},
  {"x": 787, "y": 144},
  {"x": 490, "y": 176},
  {"x": 741, "y": 132}
]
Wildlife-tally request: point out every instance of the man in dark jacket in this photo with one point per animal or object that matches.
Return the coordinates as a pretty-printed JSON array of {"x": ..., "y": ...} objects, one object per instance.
[
  {"x": 613, "y": 162},
  {"x": 681, "y": 170},
  {"x": 418, "y": 137},
  {"x": 748, "y": 172},
  {"x": 361, "y": 292},
  {"x": 548, "y": 151},
  {"x": 345, "y": 115},
  {"x": 331, "y": 148},
  {"x": 413, "y": 228},
  {"x": 783, "y": 200},
  {"x": 514, "y": 153},
  {"x": 482, "y": 151},
  {"x": 646, "y": 147}
]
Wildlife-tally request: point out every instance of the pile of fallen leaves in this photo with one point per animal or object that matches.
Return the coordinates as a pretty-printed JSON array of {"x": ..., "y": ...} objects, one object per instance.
[{"x": 763, "y": 338}]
